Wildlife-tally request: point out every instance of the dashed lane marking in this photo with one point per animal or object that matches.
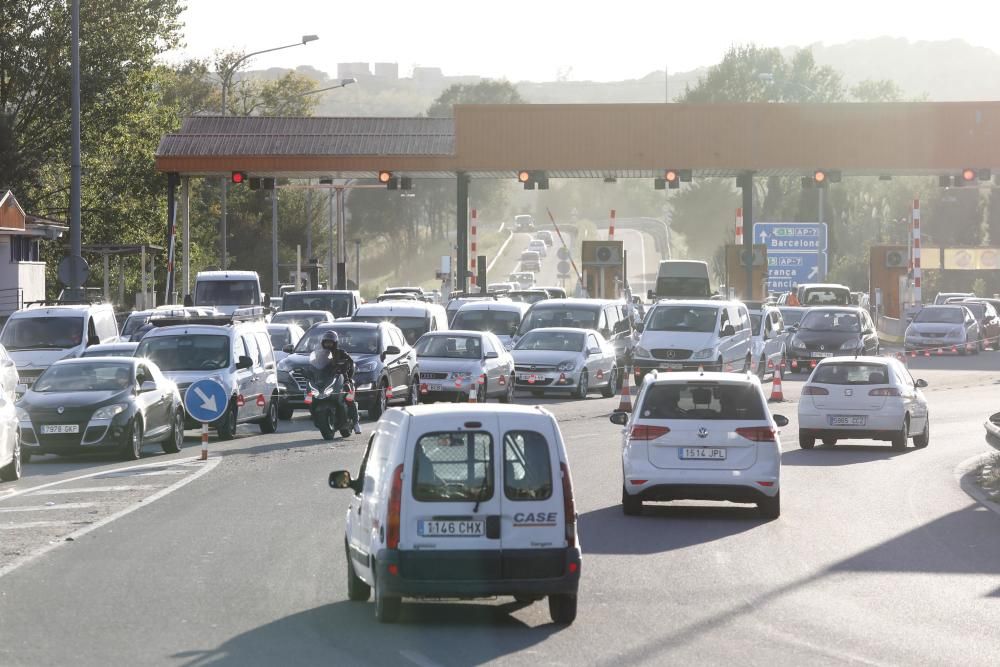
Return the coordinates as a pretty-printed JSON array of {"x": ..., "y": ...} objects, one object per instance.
[
  {"x": 47, "y": 508},
  {"x": 36, "y": 524},
  {"x": 92, "y": 489},
  {"x": 149, "y": 473}
]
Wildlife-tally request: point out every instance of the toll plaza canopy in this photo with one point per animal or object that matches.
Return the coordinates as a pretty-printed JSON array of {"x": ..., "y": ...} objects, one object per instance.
[{"x": 597, "y": 140}]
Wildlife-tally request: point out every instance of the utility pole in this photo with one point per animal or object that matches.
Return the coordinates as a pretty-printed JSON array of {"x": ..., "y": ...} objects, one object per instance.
[{"x": 75, "y": 233}]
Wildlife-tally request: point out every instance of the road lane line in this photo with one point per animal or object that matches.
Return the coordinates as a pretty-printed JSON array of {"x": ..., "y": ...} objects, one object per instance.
[
  {"x": 419, "y": 659},
  {"x": 76, "y": 535},
  {"x": 151, "y": 473},
  {"x": 92, "y": 489},
  {"x": 47, "y": 508},
  {"x": 35, "y": 524}
]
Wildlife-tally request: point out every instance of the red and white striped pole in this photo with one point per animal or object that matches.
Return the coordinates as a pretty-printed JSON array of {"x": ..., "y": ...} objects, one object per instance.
[
  {"x": 473, "y": 233},
  {"x": 917, "y": 300},
  {"x": 611, "y": 226},
  {"x": 739, "y": 226}
]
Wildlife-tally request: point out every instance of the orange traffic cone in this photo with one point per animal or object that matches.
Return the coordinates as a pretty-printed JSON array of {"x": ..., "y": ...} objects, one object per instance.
[
  {"x": 777, "y": 396},
  {"x": 473, "y": 398},
  {"x": 625, "y": 405}
]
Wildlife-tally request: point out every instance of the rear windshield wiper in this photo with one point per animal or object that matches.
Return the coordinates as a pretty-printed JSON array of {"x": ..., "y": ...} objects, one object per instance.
[{"x": 480, "y": 497}]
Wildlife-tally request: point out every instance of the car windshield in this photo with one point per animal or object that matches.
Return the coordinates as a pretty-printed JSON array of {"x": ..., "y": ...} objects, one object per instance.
[
  {"x": 679, "y": 318},
  {"x": 108, "y": 352},
  {"x": 187, "y": 352},
  {"x": 682, "y": 287},
  {"x": 133, "y": 323},
  {"x": 280, "y": 339},
  {"x": 837, "y": 320},
  {"x": 954, "y": 315},
  {"x": 560, "y": 316},
  {"x": 304, "y": 320},
  {"x": 41, "y": 333},
  {"x": 567, "y": 341},
  {"x": 500, "y": 322},
  {"x": 527, "y": 297},
  {"x": 352, "y": 340},
  {"x": 791, "y": 316},
  {"x": 755, "y": 323},
  {"x": 337, "y": 304},
  {"x": 703, "y": 400},
  {"x": 412, "y": 327},
  {"x": 89, "y": 376},
  {"x": 227, "y": 293},
  {"x": 850, "y": 373},
  {"x": 978, "y": 309},
  {"x": 450, "y": 347}
]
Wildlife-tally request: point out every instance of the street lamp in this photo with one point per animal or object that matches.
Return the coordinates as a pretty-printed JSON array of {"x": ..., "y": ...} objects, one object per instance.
[{"x": 226, "y": 74}]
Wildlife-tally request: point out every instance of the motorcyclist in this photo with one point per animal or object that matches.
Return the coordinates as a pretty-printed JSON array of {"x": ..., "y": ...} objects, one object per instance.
[{"x": 333, "y": 362}]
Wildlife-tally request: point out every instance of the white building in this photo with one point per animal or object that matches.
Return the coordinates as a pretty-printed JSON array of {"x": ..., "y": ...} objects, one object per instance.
[{"x": 22, "y": 273}]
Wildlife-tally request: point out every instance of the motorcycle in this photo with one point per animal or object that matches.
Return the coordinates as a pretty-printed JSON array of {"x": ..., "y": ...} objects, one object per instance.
[{"x": 328, "y": 408}]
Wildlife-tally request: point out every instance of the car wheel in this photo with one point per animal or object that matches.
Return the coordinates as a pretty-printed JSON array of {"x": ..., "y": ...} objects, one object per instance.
[
  {"x": 378, "y": 403},
  {"x": 761, "y": 367},
  {"x": 609, "y": 390},
  {"x": 829, "y": 442},
  {"x": 175, "y": 440},
  {"x": 923, "y": 439},
  {"x": 482, "y": 393},
  {"x": 508, "y": 396},
  {"x": 132, "y": 447},
  {"x": 583, "y": 388},
  {"x": 415, "y": 391},
  {"x": 357, "y": 589},
  {"x": 770, "y": 508},
  {"x": 226, "y": 427},
  {"x": 25, "y": 456},
  {"x": 386, "y": 608},
  {"x": 12, "y": 471},
  {"x": 900, "y": 437},
  {"x": 806, "y": 441},
  {"x": 631, "y": 505},
  {"x": 270, "y": 423},
  {"x": 562, "y": 608},
  {"x": 285, "y": 412},
  {"x": 747, "y": 363}
]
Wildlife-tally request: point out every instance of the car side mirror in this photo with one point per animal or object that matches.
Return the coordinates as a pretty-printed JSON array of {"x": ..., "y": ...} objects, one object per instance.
[
  {"x": 728, "y": 331},
  {"x": 920, "y": 384},
  {"x": 492, "y": 355},
  {"x": 148, "y": 385},
  {"x": 792, "y": 328},
  {"x": 392, "y": 349},
  {"x": 591, "y": 351},
  {"x": 619, "y": 418},
  {"x": 340, "y": 479},
  {"x": 780, "y": 420},
  {"x": 244, "y": 362},
  {"x": 288, "y": 349},
  {"x": 267, "y": 300}
]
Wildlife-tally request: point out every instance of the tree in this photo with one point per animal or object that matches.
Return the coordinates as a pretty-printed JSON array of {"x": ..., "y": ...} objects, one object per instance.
[{"x": 488, "y": 91}]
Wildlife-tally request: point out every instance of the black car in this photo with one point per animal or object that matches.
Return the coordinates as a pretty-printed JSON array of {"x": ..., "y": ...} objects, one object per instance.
[
  {"x": 386, "y": 371},
  {"x": 101, "y": 404},
  {"x": 831, "y": 331}
]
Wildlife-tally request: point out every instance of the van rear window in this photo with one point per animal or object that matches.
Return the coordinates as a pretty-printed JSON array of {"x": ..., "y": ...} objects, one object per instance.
[
  {"x": 527, "y": 472},
  {"x": 453, "y": 466}
]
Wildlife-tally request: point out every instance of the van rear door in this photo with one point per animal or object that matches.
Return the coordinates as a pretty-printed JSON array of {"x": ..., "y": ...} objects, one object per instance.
[
  {"x": 452, "y": 500},
  {"x": 533, "y": 525}
]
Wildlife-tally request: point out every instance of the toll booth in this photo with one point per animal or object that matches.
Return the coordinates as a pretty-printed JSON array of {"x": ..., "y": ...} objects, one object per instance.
[
  {"x": 889, "y": 266},
  {"x": 737, "y": 260},
  {"x": 603, "y": 266}
]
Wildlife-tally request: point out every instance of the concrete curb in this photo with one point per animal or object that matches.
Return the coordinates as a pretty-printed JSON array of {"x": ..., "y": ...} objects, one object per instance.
[
  {"x": 964, "y": 472},
  {"x": 992, "y": 434}
]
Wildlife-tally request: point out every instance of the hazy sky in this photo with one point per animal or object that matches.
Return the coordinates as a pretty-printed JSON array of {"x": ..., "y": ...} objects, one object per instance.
[{"x": 539, "y": 40}]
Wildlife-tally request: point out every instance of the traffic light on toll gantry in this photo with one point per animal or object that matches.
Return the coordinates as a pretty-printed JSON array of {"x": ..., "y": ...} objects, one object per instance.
[
  {"x": 533, "y": 179},
  {"x": 238, "y": 177},
  {"x": 384, "y": 177},
  {"x": 672, "y": 178}
]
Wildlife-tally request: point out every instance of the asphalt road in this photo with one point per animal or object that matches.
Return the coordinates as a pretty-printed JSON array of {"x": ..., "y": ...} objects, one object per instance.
[{"x": 878, "y": 557}]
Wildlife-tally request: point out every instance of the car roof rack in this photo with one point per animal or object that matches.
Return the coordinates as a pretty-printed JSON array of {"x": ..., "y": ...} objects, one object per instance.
[
  {"x": 60, "y": 302},
  {"x": 210, "y": 320}
]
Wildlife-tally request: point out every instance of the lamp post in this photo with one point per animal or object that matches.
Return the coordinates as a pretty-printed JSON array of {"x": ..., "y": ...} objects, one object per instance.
[{"x": 226, "y": 75}]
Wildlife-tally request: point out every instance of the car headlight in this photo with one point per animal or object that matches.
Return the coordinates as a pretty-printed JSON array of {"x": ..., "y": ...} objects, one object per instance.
[
  {"x": 460, "y": 375},
  {"x": 367, "y": 367},
  {"x": 640, "y": 351},
  {"x": 110, "y": 411},
  {"x": 796, "y": 343},
  {"x": 566, "y": 366},
  {"x": 850, "y": 345},
  {"x": 22, "y": 415},
  {"x": 707, "y": 353}
]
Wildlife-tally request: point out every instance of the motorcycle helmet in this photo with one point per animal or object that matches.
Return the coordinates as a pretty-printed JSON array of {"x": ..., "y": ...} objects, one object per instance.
[{"x": 330, "y": 341}]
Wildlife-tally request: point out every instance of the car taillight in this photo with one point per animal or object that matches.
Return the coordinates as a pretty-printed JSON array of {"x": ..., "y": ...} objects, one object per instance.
[
  {"x": 810, "y": 390},
  {"x": 569, "y": 505},
  {"x": 757, "y": 433},
  {"x": 395, "y": 501},
  {"x": 884, "y": 391},
  {"x": 644, "y": 432}
]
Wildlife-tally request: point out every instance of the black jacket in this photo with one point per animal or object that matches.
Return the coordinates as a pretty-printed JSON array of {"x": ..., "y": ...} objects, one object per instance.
[{"x": 341, "y": 363}]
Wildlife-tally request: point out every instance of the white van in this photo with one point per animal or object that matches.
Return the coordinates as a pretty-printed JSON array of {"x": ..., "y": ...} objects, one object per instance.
[
  {"x": 414, "y": 318},
  {"x": 227, "y": 291},
  {"x": 38, "y": 336},
  {"x": 681, "y": 279},
  {"x": 469, "y": 501},
  {"x": 686, "y": 335}
]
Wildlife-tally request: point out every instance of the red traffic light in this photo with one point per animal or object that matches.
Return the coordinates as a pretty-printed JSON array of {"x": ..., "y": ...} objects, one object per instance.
[
  {"x": 968, "y": 175},
  {"x": 239, "y": 177},
  {"x": 671, "y": 176},
  {"x": 819, "y": 176},
  {"x": 523, "y": 176},
  {"x": 384, "y": 176}
]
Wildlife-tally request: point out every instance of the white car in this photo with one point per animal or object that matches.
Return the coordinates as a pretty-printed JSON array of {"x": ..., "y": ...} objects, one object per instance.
[
  {"x": 701, "y": 436},
  {"x": 868, "y": 398},
  {"x": 559, "y": 358},
  {"x": 767, "y": 344},
  {"x": 538, "y": 246},
  {"x": 454, "y": 362}
]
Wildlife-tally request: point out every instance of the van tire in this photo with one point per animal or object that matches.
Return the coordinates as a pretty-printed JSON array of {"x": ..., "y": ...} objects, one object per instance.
[
  {"x": 770, "y": 508},
  {"x": 562, "y": 608},
  {"x": 270, "y": 423},
  {"x": 226, "y": 428},
  {"x": 357, "y": 589},
  {"x": 806, "y": 441},
  {"x": 631, "y": 505},
  {"x": 609, "y": 390},
  {"x": 386, "y": 608}
]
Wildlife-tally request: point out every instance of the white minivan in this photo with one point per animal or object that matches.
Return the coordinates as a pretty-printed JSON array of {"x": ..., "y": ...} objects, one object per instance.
[
  {"x": 686, "y": 335},
  {"x": 462, "y": 501}
]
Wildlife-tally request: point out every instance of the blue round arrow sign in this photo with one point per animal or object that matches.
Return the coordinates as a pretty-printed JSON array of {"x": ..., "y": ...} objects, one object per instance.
[{"x": 206, "y": 401}]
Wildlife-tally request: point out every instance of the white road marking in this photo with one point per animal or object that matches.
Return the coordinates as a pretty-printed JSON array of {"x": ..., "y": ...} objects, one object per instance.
[
  {"x": 151, "y": 473},
  {"x": 76, "y": 535},
  {"x": 92, "y": 489},
  {"x": 419, "y": 659},
  {"x": 47, "y": 508},
  {"x": 34, "y": 524}
]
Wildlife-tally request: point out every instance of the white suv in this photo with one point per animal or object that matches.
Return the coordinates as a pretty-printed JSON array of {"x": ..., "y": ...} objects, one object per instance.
[{"x": 701, "y": 436}]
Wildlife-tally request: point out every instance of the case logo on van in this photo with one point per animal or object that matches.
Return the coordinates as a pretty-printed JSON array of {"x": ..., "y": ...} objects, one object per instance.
[{"x": 536, "y": 519}]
